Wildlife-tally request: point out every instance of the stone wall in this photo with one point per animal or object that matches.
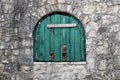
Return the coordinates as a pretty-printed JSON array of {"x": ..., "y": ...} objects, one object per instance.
[{"x": 101, "y": 20}]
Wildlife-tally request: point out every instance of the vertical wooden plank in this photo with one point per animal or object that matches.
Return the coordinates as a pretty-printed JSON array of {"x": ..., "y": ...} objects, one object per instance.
[
  {"x": 68, "y": 34},
  {"x": 72, "y": 41},
  {"x": 37, "y": 43},
  {"x": 82, "y": 45},
  {"x": 39, "y": 54},
  {"x": 34, "y": 44},
  {"x": 42, "y": 43},
  {"x": 63, "y": 21},
  {"x": 61, "y": 34},
  {"x": 52, "y": 36},
  {"x": 77, "y": 45},
  {"x": 58, "y": 53},
  {"x": 61, "y": 41},
  {"x": 39, "y": 47},
  {"x": 72, "y": 45},
  {"x": 68, "y": 44},
  {"x": 82, "y": 41},
  {"x": 36, "y": 53},
  {"x": 46, "y": 40}
]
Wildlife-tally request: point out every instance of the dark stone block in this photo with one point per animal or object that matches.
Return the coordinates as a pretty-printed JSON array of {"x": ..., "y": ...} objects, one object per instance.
[
  {"x": 30, "y": 79},
  {"x": 97, "y": 18},
  {"x": 25, "y": 60},
  {"x": 113, "y": 36},
  {"x": 26, "y": 75},
  {"x": 117, "y": 67},
  {"x": 102, "y": 30},
  {"x": 11, "y": 68},
  {"x": 117, "y": 75},
  {"x": 21, "y": 6},
  {"x": 5, "y": 76}
]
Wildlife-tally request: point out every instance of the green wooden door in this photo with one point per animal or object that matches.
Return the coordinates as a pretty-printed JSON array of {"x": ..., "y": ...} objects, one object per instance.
[{"x": 59, "y": 43}]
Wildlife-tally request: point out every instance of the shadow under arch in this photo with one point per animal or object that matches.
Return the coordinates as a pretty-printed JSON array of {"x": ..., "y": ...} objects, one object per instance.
[{"x": 52, "y": 13}]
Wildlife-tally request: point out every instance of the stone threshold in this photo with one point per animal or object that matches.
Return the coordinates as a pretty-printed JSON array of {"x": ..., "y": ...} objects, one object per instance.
[{"x": 62, "y": 63}]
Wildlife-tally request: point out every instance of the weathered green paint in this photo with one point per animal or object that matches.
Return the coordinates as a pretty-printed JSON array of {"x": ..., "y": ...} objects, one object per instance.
[
  {"x": 47, "y": 40},
  {"x": 56, "y": 20}
]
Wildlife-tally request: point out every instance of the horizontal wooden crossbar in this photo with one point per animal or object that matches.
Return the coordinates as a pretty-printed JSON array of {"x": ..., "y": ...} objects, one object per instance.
[{"x": 61, "y": 25}]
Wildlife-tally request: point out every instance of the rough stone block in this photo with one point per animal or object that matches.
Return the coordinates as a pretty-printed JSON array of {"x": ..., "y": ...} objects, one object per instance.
[
  {"x": 13, "y": 59},
  {"x": 1, "y": 68},
  {"x": 117, "y": 74},
  {"x": 11, "y": 68},
  {"x": 4, "y": 1},
  {"x": 28, "y": 52},
  {"x": 7, "y": 52},
  {"x": 2, "y": 18},
  {"x": 8, "y": 8},
  {"x": 7, "y": 1},
  {"x": 79, "y": 13},
  {"x": 102, "y": 30},
  {"x": 0, "y": 36},
  {"x": 5, "y": 76},
  {"x": 88, "y": 9},
  {"x": 92, "y": 33},
  {"x": 25, "y": 68},
  {"x": 116, "y": 1},
  {"x": 115, "y": 28},
  {"x": 86, "y": 20},
  {"x": 113, "y": 9},
  {"x": 97, "y": 0},
  {"x": 15, "y": 52},
  {"x": 52, "y": 2},
  {"x": 11, "y": 1},
  {"x": 14, "y": 44},
  {"x": 89, "y": 41},
  {"x": 102, "y": 65},
  {"x": 4, "y": 59},
  {"x": 99, "y": 50},
  {"x": 117, "y": 51},
  {"x": 62, "y": 1},
  {"x": 2, "y": 23},
  {"x": 15, "y": 76},
  {"x": 26, "y": 42},
  {"x": 101, "y": 8},
  {"x": 117, "y": 61},
  {"x": 26, "y": 75},
  {"x": 23, "y": 60}
]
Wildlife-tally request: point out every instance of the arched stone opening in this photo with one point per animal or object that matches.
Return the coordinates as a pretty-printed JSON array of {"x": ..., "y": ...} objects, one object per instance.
[{"x": 75, "y": 45}]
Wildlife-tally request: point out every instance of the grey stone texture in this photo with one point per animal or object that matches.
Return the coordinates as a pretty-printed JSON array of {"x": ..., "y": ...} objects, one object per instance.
[{"x": 101, "y": 21}]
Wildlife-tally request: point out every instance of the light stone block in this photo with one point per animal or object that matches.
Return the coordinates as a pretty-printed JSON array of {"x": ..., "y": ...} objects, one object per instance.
[
  {"x": 102, "y": 65},
  {"x": 101, "y": 8},
  {"x": 92, "y": 33},
  {"x": 4, "y": 59},
  {"x": 1, "y": 68},
  {"x": 113, "y": 9},
  {"x": 88, "y": 9},
  {"x": 61, "y": 1}
]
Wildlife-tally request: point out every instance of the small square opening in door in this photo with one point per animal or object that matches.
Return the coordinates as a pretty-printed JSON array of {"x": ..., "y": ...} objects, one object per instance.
[
  {"x": 64, "y": 52},
  {"x": 52, "y": 56}
]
